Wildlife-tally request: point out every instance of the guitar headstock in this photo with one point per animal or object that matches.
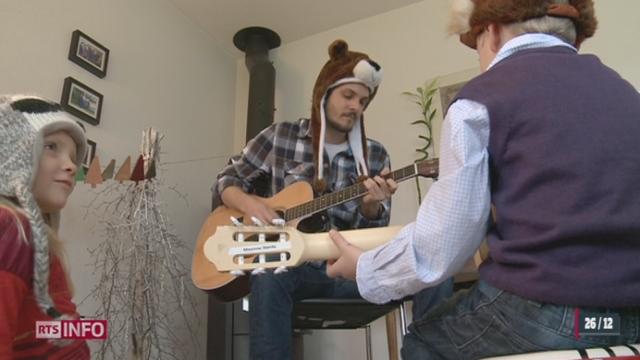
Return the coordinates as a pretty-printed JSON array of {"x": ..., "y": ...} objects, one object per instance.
[
  {"x": 428, "y": 168},
  {"x": 235, "y": 247}
]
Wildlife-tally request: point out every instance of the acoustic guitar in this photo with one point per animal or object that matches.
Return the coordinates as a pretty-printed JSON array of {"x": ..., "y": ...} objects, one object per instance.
[{"x": 293, "y": 203}]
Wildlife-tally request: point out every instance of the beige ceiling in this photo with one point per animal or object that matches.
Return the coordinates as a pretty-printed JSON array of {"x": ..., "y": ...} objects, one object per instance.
[{"x": 291, "y": 19}]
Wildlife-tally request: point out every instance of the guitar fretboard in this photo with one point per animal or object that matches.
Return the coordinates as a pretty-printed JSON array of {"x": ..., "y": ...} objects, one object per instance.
[{"x": 349, "y": 193}]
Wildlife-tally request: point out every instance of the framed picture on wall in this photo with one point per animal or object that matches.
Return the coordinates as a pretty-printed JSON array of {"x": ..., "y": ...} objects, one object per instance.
[
  {"x": 448, "y": 93},
  {"x": 81, "y": 101},
  {"x": 89, "y": 54},
  {"x": 88, "y": 157}
]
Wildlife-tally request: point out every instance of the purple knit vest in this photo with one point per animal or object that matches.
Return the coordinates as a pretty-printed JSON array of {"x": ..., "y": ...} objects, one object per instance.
[{"x": 565, "y": 178}]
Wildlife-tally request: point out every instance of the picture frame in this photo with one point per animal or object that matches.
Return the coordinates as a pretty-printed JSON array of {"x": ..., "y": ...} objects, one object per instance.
[
  {"x": 89, "y": 54},
  {"x": 448, "y": 86},
  {"x": 449, "y": 92},
  {"x": 82, "y": 101},
  {"x": 91, "y": 153}
]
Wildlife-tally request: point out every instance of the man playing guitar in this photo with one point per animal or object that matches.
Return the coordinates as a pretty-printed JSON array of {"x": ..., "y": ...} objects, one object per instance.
[{"x": 330, "y": 151}]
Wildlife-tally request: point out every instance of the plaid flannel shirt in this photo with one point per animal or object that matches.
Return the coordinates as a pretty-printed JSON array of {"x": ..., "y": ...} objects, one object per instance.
[{"x": 283, "y": 154}]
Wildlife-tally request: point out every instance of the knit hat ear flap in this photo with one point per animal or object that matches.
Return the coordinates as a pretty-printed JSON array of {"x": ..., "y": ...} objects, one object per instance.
[{"x": 40, "y": 243}]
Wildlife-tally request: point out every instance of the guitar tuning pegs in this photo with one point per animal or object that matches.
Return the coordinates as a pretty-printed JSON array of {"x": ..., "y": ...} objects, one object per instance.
[
  {"x": 280, "y": 270},
  {"x": 283, "y": 256},
  {"x": 237, "y": 272},
  {"x": 278, "y": 222},
  {"x": 258, "y": 271},
  {"x": 257, "y": 221},
  {"x": 262, "y": 258},
  {"x": 235, "y": 221}
]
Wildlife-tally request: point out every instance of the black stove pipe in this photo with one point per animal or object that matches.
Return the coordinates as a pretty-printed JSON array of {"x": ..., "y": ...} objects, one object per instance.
[{"x": 256, "y": 42}]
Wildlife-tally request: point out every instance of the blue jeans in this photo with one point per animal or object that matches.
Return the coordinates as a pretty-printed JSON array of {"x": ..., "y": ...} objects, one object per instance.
[
  {"x": 429, "y": 298},
  {"x": 273, "y": 296},
  {"x": 271, "y": 305},
  {"x": 484, "y": 321}
]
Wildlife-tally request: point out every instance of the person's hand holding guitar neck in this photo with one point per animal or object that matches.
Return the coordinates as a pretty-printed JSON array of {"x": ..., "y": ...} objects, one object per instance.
[{"x": 380, "y": 188}]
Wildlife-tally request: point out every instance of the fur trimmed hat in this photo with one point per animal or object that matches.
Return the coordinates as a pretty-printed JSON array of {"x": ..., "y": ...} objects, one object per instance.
[
  {"x": 470, "y": 17},
  {"x": 24, "y": 122},
  {"x": 344, "y": 66}
]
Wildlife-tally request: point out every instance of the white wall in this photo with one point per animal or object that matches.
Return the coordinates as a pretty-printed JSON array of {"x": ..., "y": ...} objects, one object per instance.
[
  {"x": 163, "y": 71},
  {"x": 411, "y": 45}
]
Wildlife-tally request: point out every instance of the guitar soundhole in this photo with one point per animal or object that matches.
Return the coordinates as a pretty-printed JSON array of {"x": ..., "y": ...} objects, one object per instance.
[{"x": 318, "y": 222}]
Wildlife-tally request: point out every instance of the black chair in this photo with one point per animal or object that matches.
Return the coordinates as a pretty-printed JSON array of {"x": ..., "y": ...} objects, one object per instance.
[
  {"x": 317, "y": 314},
  {"x": 314, "y": 314}
]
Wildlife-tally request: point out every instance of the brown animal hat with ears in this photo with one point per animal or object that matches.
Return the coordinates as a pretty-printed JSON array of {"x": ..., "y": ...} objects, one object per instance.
[
  {"x": 470, "y": 17},
  {"x": 343, "y": 67}
]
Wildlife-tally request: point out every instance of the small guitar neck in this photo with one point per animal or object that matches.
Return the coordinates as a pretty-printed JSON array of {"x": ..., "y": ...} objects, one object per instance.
[
  {"x": 428, "y": 168},
  {"x": 246, "y": 248},
  {"x": 321, "y": 247}
]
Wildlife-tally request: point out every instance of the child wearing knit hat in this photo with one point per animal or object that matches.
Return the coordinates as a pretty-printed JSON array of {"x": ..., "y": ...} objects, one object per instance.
[{"x": 40, "y": 151}]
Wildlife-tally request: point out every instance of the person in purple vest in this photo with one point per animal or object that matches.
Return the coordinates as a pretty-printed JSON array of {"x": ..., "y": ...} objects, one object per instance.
[{"x": 548, "y": 137}]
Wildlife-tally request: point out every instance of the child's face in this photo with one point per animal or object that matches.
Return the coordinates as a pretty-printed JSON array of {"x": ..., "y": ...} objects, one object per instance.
[{"x": 56, "y": 172}]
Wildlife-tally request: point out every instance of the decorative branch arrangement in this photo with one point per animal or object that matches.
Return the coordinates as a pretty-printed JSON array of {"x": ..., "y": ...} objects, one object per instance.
[
  {"x": 141, "y": 284},
  {"x": 423, "y": 97},
  {"x": 141, "y": 171}
]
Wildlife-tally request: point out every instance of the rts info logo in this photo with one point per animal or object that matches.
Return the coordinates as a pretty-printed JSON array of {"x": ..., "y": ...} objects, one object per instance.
[{"x": 71, "y": 329}]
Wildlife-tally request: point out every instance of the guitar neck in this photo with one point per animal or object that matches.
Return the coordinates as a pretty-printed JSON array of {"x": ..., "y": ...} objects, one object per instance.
[
  {"x": 235, "y": 248},
  {"x": 349, "y": 193},
  {"x": 321, "y": 247}
]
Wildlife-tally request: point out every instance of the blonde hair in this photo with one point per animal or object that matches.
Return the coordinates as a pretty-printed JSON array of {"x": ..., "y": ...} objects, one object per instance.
[
  {"x": 9, "y": 205},
  {"x": 55, "y": 244}
]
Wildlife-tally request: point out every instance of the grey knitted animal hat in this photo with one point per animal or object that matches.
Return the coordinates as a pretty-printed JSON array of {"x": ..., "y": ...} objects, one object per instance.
[{"x": 24, "y": 122}]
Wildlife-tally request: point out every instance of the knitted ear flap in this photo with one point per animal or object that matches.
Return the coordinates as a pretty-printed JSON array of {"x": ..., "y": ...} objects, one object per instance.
[{"x": 40, "y": 244}]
